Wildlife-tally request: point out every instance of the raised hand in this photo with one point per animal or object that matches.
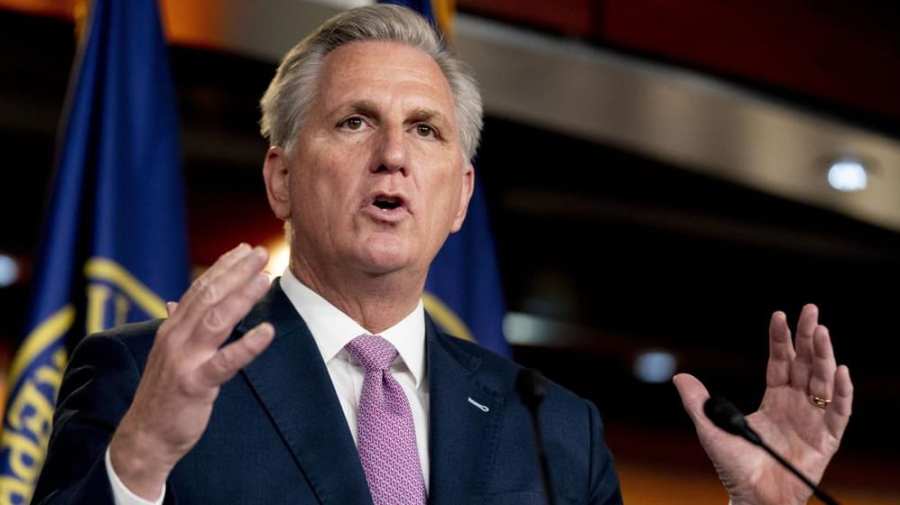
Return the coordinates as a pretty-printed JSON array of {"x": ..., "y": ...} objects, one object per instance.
[
  {"x": 803, "y": 415},
  {"x": 186, "y": 367}
]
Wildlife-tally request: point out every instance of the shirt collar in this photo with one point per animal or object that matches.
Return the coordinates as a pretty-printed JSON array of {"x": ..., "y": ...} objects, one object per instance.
[{"x": 332, "y": 329}]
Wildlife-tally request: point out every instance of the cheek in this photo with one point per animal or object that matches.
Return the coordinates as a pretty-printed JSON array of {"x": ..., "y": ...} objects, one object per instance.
[
  {"x": 331, "y": 191},
  {"x": 326, "y": 164},
  {"x": 443, "y": 201}
]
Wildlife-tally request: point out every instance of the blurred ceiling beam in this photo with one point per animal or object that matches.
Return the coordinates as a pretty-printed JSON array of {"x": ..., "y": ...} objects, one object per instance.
[
  {"x": 56, "y": 8},
  {"x": 843, "y": 54},
  {"x": 680, "y": 117}
]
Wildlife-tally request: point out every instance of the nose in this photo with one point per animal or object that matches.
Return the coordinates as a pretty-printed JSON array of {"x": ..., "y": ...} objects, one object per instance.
[{"x": 392, "y": 155}]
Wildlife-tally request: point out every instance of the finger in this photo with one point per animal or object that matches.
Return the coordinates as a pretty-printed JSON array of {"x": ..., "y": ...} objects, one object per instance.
[
  {"x": 224, "y": 263},
  {"x": 227, "y": 260},
  {"x": 220, "y": 319},
  {"x": 802, "y": 364},
  {"x": 170, "y": 308},
  {"x": 240, "y": 276},
  {"x": 821, "y": 380},
  {"x": 235, "y": 356},
  {"x": 693, "y": 395},
  {"x": 838, "y": 412},
  {"x": 781, "y": 351}
]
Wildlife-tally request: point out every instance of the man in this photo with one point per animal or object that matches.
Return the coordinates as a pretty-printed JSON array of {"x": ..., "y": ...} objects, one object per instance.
[{"x": 332, "y": 385}]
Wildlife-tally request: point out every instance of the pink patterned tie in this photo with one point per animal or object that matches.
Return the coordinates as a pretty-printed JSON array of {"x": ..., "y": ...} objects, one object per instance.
[{"x": 387, "y": 436}]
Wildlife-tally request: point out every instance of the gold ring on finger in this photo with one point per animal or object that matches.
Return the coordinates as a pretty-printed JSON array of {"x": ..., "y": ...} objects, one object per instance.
[{"x": 818, "y": 401}]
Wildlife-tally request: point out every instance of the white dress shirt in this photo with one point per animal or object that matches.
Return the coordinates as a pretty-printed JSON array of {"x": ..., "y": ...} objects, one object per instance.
[{"x": 332, "y": 330}]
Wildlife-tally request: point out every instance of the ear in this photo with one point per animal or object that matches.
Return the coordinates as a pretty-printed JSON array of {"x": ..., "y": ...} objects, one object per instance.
[
  {"x": 465, "y": 195},
  {"x": 277, "y": 178}
]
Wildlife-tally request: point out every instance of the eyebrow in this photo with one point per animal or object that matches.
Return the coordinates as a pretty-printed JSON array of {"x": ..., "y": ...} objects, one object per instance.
[
  {"x": 364, "y": 107},
  {"x": 370, "y": 109},
  {"x": 424, "y": 114}
]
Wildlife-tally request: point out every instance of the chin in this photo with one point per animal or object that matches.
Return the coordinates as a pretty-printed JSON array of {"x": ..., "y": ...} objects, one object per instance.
[{"x": 386, "y": 256}]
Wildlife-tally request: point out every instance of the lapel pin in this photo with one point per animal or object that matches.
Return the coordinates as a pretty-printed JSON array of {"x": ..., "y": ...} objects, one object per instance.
[{"x": 481, "y": 407}]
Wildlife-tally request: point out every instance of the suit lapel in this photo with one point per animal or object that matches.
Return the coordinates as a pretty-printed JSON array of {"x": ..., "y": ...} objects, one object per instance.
[
  {"x": 292, "y": 384},
  {"x": 464, "y": 417}
]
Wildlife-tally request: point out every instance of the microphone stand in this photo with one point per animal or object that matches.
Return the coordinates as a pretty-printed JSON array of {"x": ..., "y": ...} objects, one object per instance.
[
  {"x": 532, "y": 388},
  {"x": 727, "y": 417}
]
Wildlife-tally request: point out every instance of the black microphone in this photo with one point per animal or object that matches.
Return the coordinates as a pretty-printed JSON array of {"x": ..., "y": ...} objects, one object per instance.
[
  {"x": 726, "y": 416},
  {"x": 532, "y": 387}
]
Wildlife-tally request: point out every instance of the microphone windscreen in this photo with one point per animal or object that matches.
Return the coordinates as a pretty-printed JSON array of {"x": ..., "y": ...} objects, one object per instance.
[
  {"x": 725, "y": 415},
  {"x": 531, "y": 386}
]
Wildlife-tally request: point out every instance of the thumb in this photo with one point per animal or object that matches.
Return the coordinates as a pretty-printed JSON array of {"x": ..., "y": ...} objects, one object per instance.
[
  {"x": 170, "y": 308},
  {"x": 693, "y": 395}
]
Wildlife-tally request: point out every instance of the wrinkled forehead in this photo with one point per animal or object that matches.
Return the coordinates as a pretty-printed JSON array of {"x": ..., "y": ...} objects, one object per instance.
[{"x": 389, "y": 73}]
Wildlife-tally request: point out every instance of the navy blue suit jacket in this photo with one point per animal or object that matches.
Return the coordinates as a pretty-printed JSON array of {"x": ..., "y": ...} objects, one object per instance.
[{"x": 278, "y": 435}]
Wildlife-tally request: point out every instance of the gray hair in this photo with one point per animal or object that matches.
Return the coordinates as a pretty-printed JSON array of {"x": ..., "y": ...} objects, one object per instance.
[{"x": 293, "y": 88}]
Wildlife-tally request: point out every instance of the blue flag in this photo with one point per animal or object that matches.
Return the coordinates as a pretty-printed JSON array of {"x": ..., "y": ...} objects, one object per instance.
[
  {"x": 463, "y": 291},
  {"x": 438, "y": 12},
  {"x": 114, "y": 241}
]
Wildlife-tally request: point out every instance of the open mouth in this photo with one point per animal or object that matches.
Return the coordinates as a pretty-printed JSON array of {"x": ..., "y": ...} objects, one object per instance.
[
  {"x": 387, "y": 207},
  {"x": 385, "y": 202}
]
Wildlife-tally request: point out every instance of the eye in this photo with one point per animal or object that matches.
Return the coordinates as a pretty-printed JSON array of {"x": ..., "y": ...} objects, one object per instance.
[
  {"x": 354, "y": 123},
  {"x": 425, "y": 130}
]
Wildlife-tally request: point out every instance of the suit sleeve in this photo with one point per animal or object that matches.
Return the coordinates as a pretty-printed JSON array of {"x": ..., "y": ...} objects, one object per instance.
[
  {"x": 96, "y": 391},
  {"x": 604, "y": 480}
]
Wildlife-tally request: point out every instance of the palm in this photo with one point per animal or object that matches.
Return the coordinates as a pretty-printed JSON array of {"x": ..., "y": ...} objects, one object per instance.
[{"x": 805, "y": 435}]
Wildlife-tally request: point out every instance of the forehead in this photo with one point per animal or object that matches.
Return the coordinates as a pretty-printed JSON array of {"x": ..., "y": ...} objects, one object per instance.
[{"x": 383, "y": 71}]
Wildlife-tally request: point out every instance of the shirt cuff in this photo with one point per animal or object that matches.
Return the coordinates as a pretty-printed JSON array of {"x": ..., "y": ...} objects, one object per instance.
[{"x": 121, "y": 494}]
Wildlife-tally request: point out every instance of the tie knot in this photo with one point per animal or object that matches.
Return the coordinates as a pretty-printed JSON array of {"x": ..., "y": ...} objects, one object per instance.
[{"x": 372, "y": 352}]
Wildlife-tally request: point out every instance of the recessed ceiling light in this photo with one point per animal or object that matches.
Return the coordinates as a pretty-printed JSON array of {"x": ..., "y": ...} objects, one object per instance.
[
  {"x": 654, "y": 366},
  {"x": 9, "y": 270},
  {"x": 848, "y": 174}
]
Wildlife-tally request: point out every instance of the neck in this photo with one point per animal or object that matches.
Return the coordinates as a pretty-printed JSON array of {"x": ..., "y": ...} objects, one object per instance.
[{"x": 376, "y": 302}]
